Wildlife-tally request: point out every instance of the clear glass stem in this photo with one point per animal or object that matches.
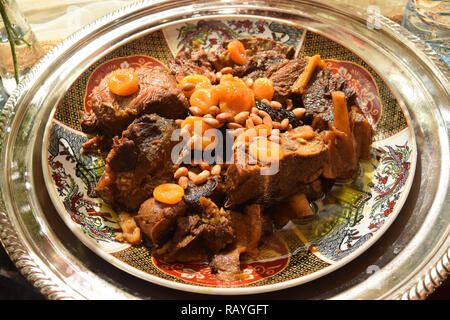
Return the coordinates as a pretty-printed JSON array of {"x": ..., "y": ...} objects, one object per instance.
[{"x": 19, "y": 48}]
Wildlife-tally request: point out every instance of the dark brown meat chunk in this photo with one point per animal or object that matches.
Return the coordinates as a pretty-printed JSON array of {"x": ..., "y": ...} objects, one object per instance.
[
  {"x": 264, "y": 56},
  {"x": 255, "y": 45},
  {"x": 220, "y": 58},
  {"x": 89, "y": 123},
  {"x": 158, "y": 93},
  {"x": 227, "y": 265},
  {"x": 188, "y": 62},
  {"x": 302, "y": 163},
  {"x": 158, "y": 220},
  {"x": 138, "y": 162},
  {"x": 199, "y": 236},
  {"x": 260, "y": 65},
  {"x": 285, "y": 77},
  {"x": 97, "y": 145},
  {"x": 317, "y": 99},
  {"x": 248, "y": 228}
]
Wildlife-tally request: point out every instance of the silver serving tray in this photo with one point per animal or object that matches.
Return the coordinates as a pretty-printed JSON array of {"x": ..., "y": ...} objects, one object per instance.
[{"x": 409, "y": 261}]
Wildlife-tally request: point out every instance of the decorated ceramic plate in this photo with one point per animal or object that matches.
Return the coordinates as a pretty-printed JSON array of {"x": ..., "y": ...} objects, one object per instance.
[{"x": 347, "y": 221}]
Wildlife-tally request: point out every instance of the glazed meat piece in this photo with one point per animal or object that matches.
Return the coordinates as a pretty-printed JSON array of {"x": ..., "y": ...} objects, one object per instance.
[
  {"x": 285, "y": 76},
  {"x": 199, "y": 235},
  {"x": 249, "y": 228},
  {"x": 89, "y": 123},
  {"x": 317, "y": 99},
  {"x": 264, "y": 57},
  {"x": 158, "y": 220},
  {"x": 138, "y": 162},
  {"x": 254, "y": 45},
  {"x": 260, "y": 65},
  {"x": 158, "y": 93},
  {"x": 189, "y": 62},
  {"x": 302, "y": 164}
]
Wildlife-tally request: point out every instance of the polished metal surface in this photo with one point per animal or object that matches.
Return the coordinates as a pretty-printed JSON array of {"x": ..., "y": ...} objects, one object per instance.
[{"x": 408, "y": 262}]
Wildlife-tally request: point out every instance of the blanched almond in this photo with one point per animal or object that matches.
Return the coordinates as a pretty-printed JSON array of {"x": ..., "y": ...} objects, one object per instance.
[
  {"x": 249, "y": 123},
  {"x": 275, "y": 105},
  {"x": 263, "y": 114},
  {"x": 225, "y": 117},
  {"x": 205, "y": 166},
  {"x": 267, "y": 120},
  {"x": 183, "y": 182},
  {"x": 233, "y": 125},
  {"x": 284, "y": 124},
  {"x": 299, "y": 112},
  {"x": 241, "y": 117},
  {"x": 211, "y": 122},
  {"x": 199, "y": 178},
  {"x": 214, "y": 110},
  {"x": 265, "y": 101},
  {"x": 226, "y": 70},
  {"x": 181, "y": 171},
  {"x": 256, "y": 119},
  {"x": 215, "y": 171}
]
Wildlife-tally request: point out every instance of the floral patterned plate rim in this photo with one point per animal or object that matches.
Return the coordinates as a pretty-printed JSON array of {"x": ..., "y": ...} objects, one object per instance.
[{"x": 351, "y": 218}]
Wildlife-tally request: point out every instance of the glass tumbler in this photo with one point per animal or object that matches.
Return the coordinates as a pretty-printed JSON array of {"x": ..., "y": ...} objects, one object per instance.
[{"x": 16, "y": 32}]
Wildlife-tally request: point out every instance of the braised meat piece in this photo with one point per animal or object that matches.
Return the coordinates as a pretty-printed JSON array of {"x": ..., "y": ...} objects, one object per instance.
[
  {"x": 285, "y": 76},
  {"x": 188, "y": 62},
  {"x": 158, "y": 220},
  {"x": 260, "y": 65},
  {"x": 317, "y": 99},
  {"x": 264, "y": 57},
  {"x": 254, "y": 45},
  {"x": 89, "y": 123},
  {"x": 249, "y": 228},
  {"x": 138, "y": 162},
  {"x": 199, "y": 236},
  {"x": 158, "y": 93},
  {"x": 302, "y": 163},
  {"x": 97, "y": 145}
]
